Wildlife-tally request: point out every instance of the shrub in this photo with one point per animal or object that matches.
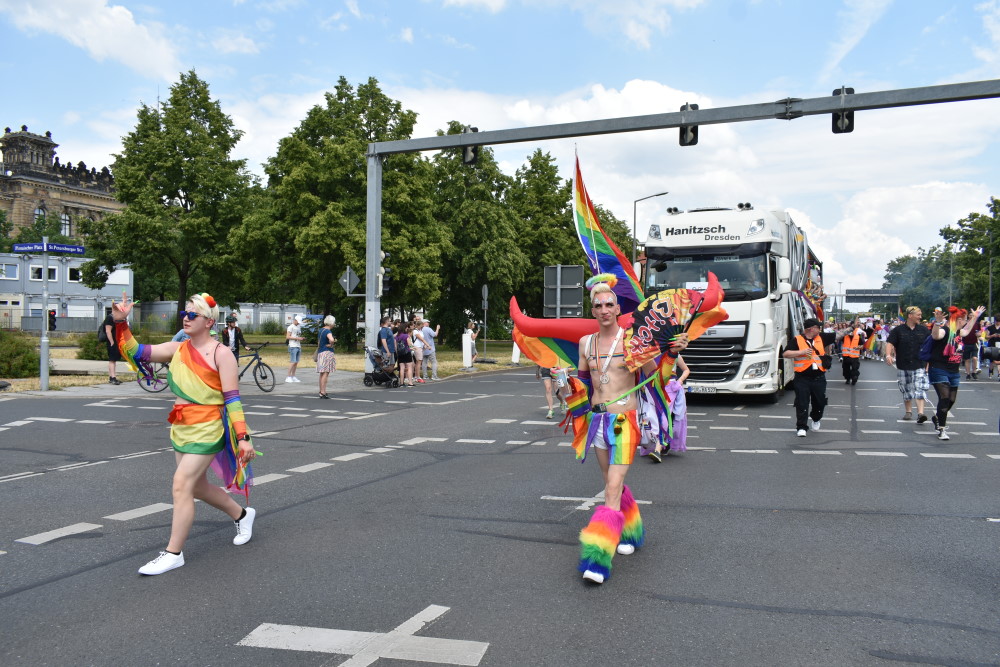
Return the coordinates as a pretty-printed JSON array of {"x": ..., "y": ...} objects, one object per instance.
[
  {"x": 18, "y": 358},
  {"x": 270, "y": 328},
  {"x": 91, "y": 348}
]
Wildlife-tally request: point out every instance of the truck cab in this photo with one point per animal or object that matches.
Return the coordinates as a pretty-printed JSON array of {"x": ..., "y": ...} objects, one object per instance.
[{"x": 763, "y": 263}]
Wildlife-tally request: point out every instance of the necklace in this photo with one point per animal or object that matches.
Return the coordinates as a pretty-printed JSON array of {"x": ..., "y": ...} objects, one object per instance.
[{"x": 605, "y": 378}]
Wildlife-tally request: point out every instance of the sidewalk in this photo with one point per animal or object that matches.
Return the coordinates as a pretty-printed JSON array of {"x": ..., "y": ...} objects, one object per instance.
[{"x": 339, "y": 381}]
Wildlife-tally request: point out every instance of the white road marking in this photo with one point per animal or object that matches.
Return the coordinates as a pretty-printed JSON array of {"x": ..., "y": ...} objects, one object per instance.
[
  {"x": 264, "y": 479},
  {"x": 952, "y": 421},
  {"x": 780, "y": 430},
  {"x": 516, "y": 442},
  {"x": 500, "y": 421},
  {"x": 135, "y": 456},
  {"x": 802, "y": 451},
  {"x": 74, "y": 466},
  {"x": 754, "y": 451},
  {"x": 20, "y": 475},
  {"x": 880, "y": 454},
  {"x": 775, "y": 416},
  {"x": 294, "y": 414},
  {"x": 259, "y": 414},
  {"x": 140, "y": 511},
  {"x": 876, "y": 432},
  {"x": 374, "y": 414},
  {"x": 530, "y": 422},
  {"x": 869, "y": 420},
  {"x": 291, "y": 408},
  {"x": 366, "y": 648},
  {"x": 587, "y": 503},
  {"x": 564, "y": 444},
  {"x": 730, "y": 414},
  {"x": 933, "y": 455},
  {"x": 994, "y": 433},
  {"x": 332, "y": 417},
  {"x": 310, "y": 467},
  {"x": 540, "y": 443},
  {"x": 18, "y": 423},
  {"x": 75, "y": 529},
  {"x": 476, "y": 442},
  {"x": 418, "y": 441},
  {"x": 264, "y": 434},
  {"x": 49, "y": 419},
  {"x": 701, "y": 449},
  {"x": 378, "y": 450},
  {"x": 729, "y": 428},
  {"x": 994, "y": 456},
  {"x": 95, "y": 421},
  {"x": 350, "y": 457}
]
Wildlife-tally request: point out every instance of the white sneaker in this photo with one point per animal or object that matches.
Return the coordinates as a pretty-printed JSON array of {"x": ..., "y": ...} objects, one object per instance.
[
  {"x": 165, "y": 562},
  {"x": 596, "y": 577},
  {"x": 289, "y": 379},
  {"x": 625, "y": 549},
  {"x": 295, "y": 379},
  {"x": 244, "y": 527},
  {"x": 801, "y": 433},
  {"x": 943, "y": 434},
  {"x": 813, "y": 425}
]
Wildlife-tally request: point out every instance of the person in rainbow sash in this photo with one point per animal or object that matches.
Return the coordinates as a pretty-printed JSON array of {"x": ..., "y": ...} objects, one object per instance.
[
  {"x": 207, "y": 423},
  {"x": 607, "y": 414}
]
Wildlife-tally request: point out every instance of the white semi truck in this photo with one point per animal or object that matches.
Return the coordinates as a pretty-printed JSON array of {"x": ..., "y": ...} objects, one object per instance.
[{"x": 772, "y": 281}]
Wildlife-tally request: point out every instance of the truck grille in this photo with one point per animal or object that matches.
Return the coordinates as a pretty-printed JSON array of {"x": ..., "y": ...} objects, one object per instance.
[{"x": 715, "y": 360}]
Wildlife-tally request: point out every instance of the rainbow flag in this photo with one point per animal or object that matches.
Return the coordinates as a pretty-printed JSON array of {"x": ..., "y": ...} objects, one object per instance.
[{"x": 602, "y": 253}]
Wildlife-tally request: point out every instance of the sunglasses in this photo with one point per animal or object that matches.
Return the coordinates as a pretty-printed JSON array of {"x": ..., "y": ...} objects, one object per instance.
[{"x": 188, "y": 314}]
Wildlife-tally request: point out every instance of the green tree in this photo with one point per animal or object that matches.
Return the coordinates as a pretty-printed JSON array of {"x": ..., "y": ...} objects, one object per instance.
[
  {"x": 183, "y": 193},
  {"x": 473, "y": 203},
  {"x": 977, "y": 237},
  {"x": 542, "y": 203},
  {"x": 924, "y": 279},
  {"x": 41, "y": 226},
  {"x": 310, "y": 224},
  {"x": 6, "y": 229}
]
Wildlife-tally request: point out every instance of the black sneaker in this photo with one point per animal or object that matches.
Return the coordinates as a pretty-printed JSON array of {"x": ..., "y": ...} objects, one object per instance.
[
  {"x": 921, "y": 418},
  {"x": 935, "y": 422},
  {"x": 114, "y": 381},
  {"x": 655, "y": 456}
]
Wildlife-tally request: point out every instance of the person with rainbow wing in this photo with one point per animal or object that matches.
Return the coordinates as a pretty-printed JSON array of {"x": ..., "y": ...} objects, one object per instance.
[{"x": 207, "y": 423}]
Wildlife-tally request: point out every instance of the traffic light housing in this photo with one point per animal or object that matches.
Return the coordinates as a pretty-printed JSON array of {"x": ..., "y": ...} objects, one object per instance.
[
  {"x": 843, "y": 121},
  {"x": 52, "y": 320},
  {"x": 689, "y": 133},
  {"x": 470, "y": 154},
  {"x": 384, "y": 276}
]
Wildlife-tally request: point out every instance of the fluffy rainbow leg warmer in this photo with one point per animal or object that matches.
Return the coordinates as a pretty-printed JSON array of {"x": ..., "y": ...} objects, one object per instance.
[
  {"x": 599, "y": 539},
  {"x": 633, "y": 533}
]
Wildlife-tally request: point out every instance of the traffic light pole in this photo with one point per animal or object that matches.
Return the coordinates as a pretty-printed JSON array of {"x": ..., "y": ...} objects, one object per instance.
[
  {"x": 789, "y": 108},
  {"x": 373, "y": 255},
  {"x": 43, "y": 364}
]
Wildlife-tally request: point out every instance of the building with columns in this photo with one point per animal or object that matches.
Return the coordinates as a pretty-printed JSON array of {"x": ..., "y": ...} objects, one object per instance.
[{"x": 34, "y": 183}]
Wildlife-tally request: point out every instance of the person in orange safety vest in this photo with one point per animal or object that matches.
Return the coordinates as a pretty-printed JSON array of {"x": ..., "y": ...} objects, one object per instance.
[{"x": 808, "y": 352}]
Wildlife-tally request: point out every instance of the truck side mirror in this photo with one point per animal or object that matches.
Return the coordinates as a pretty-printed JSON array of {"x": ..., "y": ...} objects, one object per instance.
[
  {"x": 783, "y": 288},
  {"x": 784, "y": 270}
]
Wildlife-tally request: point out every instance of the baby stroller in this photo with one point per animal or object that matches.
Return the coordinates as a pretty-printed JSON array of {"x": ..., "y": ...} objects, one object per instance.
[{"x": 383, "y": 371}]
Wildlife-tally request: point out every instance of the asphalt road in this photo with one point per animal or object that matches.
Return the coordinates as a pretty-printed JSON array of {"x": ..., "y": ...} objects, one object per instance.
[{"x": 439, "y": 524}]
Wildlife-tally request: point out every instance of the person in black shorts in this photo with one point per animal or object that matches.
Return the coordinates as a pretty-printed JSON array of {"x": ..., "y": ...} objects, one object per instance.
[{"x": 111, "y": 342}]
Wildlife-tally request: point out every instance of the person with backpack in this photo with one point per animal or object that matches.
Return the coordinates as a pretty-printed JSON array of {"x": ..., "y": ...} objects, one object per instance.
[
  {"x": 902, "y": 349},
  {"x": 947, "y": 333},
  {"x": 404, "y": 355},
  {"x": 106, "y": 334}
]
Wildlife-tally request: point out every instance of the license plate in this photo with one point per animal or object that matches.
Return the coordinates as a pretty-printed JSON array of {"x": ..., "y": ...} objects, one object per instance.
[{"x": 699, "y": 389}]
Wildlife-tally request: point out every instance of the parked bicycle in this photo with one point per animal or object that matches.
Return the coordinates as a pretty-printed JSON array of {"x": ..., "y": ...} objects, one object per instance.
[{"x": 262, "y": 373}]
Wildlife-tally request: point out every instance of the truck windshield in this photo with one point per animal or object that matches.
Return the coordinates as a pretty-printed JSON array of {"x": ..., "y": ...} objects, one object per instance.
[{"x": 743, "y": 277}]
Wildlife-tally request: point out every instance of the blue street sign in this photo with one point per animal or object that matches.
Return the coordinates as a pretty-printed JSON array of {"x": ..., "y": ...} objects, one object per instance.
[{"x": 51, "y": 247}]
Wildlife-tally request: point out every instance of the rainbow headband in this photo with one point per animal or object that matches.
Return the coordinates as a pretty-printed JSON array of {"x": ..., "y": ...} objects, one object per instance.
[{"x": 609, "y": 278}]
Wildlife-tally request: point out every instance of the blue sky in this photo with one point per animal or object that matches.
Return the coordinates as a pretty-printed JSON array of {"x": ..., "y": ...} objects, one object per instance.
[{"x": 80, "y": 68}]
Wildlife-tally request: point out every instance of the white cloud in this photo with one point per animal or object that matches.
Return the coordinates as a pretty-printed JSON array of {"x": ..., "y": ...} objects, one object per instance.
[
  {"x": 489, "y": 5},
  {"x": 406, "y": 34},
  {"x": 229, "y": 41},
  {"x": 855, "y": 19},
  {"x": 105, "y": 32},
  {"x": 352, "y": 7},
  {"x": 989, "y": 54}
]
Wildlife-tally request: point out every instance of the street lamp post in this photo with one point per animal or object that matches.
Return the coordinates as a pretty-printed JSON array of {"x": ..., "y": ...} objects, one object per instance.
[
  {"x": 840, "y": 289},
  {"x": 635, "y": 243}
]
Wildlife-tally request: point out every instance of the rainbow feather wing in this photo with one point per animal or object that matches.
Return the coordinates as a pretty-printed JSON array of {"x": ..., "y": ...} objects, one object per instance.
[{"x": 550, "y": 342}]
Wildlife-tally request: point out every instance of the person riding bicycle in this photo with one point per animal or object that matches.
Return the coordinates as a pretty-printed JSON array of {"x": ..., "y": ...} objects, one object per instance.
[{"x": 232, "y": 336}]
